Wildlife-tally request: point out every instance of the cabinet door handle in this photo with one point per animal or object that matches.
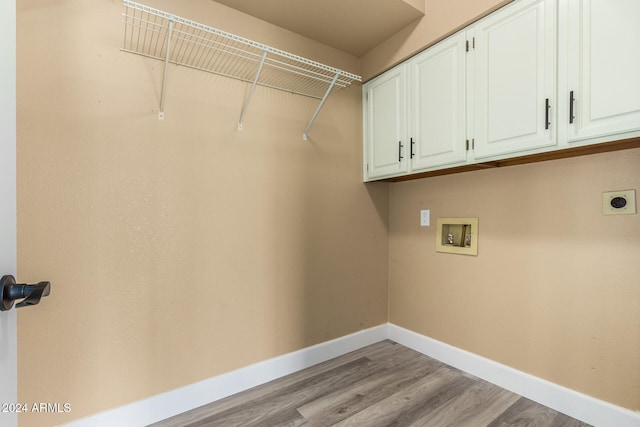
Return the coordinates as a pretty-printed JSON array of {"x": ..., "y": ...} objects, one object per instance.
[
  {"x": 411, "y": 150},
  {"x": 547, "y": 107},
  {"x": 400, "y": 151},
  {"x": 571, "y": 101}
]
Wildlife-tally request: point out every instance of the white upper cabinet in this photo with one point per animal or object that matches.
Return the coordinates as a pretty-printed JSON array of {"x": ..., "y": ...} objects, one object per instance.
[
  {"x": 437, "y": 119},
  {"x": 514, "y": 79},
  {"x": 386, "y": 144},
  {"x": 534, "y": 76},
  {"x": 599, "y": 69}
]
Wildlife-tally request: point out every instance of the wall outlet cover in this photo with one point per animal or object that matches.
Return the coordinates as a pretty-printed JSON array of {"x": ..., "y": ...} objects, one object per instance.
[
  {"x": 425, "y": 218},
  {"x": 621, "y": 202}
]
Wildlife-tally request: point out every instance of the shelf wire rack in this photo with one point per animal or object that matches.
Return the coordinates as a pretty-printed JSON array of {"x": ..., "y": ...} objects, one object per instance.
[{"x": 174, "y": 40}]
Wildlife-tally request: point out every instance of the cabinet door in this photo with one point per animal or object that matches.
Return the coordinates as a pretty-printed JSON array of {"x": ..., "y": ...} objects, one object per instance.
[
  {"x": 438, "y": 105},
  {"x": 602, "y": 43},
  {"x": 514, "y": 54},
  {"x": 385, "y": 125}
]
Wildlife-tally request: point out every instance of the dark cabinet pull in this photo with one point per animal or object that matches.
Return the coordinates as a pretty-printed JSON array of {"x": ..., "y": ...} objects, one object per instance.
[
  {"x": 411, "y": 153},
  {"x": 571, "y": 101},
  {"x": 546, "y": 113},
  {"x": 400, "y": 151},
  {"x": 11, "y": 291}
]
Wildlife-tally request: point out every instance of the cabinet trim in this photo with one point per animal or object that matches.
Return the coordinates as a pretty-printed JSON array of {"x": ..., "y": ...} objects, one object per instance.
[{"x": 584, "y": 150}]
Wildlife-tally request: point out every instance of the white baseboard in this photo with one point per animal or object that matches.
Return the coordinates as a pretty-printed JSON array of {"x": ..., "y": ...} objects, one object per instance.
[
  {"x": 577, "y": 405},
  {"x": 174, "y": 402},
  {"x": 156, "y": 408}
]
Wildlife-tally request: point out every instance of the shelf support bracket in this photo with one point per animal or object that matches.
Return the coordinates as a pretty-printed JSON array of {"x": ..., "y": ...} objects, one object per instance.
[
  {"x": 324, "y": 98},
  {"x": 253, "y": 86},
  {"x": 164, "y": 72}
]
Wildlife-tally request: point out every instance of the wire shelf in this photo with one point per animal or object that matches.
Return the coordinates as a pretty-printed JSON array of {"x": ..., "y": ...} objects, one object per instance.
[{"x": 160, "y": 35}]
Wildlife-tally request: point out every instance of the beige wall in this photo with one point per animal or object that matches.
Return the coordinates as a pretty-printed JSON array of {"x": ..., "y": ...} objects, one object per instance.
[
  {"x": 179, "y": 249},
  {"x": 441, "y": 19},
  {"x": 182, "y": 249},
  {"x": 554, "y": 290}
]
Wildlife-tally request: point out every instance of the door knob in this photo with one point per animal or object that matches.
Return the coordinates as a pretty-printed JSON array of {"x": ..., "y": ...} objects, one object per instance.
[{"x": 31, "y": 294}]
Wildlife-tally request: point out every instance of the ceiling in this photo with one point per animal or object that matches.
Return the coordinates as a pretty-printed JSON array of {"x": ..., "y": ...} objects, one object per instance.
[{"x": 352, "y": 26}]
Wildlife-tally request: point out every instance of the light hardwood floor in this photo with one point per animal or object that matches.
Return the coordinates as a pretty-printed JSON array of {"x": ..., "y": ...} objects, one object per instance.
[{"x": 385, "y": 384}]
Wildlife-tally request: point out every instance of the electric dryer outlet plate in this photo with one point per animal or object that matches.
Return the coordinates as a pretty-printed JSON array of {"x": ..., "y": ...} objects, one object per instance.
[{"x": 619, "y": 202}]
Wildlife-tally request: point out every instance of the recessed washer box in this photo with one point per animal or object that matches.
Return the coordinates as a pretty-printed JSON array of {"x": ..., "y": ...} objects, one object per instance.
[
  {"x": 619, "y": 202},
  {"x": 457, "y": 235}
]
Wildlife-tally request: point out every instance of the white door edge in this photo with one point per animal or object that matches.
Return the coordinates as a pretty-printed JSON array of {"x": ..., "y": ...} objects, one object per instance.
[{"x": 8, "y": 321}]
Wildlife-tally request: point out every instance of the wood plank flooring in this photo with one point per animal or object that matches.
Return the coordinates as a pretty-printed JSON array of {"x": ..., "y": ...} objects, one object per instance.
[{"x": 385, "y": 384}]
